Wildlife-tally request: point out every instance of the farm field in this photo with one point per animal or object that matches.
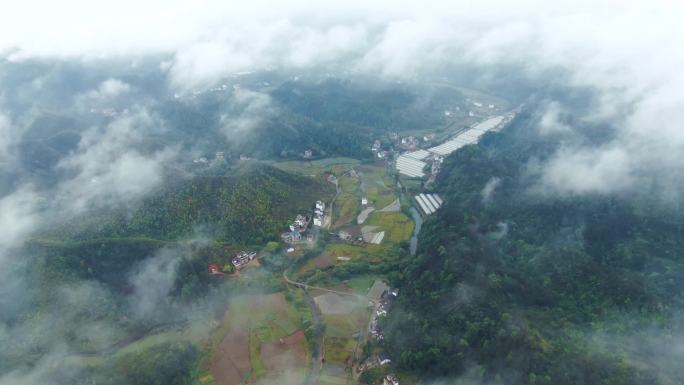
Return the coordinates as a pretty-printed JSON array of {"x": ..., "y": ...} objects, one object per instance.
[
  {"x": 397, "y": 226},
  {"x": 318, "y": 167},
  {"x": 258, "y": 340}
]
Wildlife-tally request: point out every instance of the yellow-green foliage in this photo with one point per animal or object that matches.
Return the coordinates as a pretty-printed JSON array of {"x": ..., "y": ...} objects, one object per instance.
[
  {"x": 339, "y": 349},
  {"x": 344, "y": 325},
  {"x": 317, "y": 167},
  {"x": 330, "y": 380},
  {"x": 379, "y": 186},
  {"x": 397, "y": 226},
  {"x": 362, "y": 283}
]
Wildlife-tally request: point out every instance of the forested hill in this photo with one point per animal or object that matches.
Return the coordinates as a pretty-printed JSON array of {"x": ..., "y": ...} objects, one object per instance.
[
  {"x": 249, "y": 206},
  {"x": 515, "y": 287}
]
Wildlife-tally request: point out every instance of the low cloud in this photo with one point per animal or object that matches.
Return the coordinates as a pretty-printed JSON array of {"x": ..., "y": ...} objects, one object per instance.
[
  {"x": 489, "y": 188},
  {"x": 114, "y": 164},
  {"x": 152, "y": 282},
  {"x": 550, "y": 122},
  {"x": 248, "y": 110}
]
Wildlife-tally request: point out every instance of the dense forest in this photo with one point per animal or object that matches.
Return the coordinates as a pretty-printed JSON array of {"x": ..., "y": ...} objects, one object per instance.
[
  {"x": 143, "y": 270},
  {"x": 331, "y": 117},
  {"x": 514, "y": 286},
  {"x": 250, "y": 205}
]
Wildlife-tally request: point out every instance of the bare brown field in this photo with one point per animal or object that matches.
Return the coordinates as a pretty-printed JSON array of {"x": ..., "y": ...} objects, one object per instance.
[
  {"x": 289, "y": 352},
  {"x": 231, "y": 359}
]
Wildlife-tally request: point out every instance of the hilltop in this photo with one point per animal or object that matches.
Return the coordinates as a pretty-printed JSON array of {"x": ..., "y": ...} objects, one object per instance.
[{"x": 249, "y": 205}]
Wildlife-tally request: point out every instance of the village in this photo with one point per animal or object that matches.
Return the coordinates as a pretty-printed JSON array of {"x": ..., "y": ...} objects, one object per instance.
[{"x": 370, "y": 212}]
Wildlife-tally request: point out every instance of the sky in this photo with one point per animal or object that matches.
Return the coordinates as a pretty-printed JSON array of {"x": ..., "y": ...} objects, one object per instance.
[{"x": 629, "y": 53}]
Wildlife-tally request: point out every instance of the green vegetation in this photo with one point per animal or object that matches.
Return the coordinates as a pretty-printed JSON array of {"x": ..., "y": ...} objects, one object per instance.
[
  {"x": 163, "y": 364},
  {"x": 521, "y": 287},
  {"x": 317, "y": 167},
  {"x": 397, "y": 226},
  {"x": 250, "y": 206},
  {"x": 379, "y": 188}
]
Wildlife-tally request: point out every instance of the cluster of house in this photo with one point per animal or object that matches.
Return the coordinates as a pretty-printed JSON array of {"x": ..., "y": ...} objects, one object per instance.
[
  {"x": 297, "y": 227},
  {"x": 383, "y": 306},
  {"x": 376, "y": 148},
  {"x": 243, "y": 258},
  {"x": 349, "y": 238},
  {"x": 409, "y": 142},
  {"x": 319, "y": 214},
  {"x": 220, "y": 155},
  {"x": 390, "y": 379},
  {"x": 301, "y": 223},
  {"x": 308, "y": 154},
  {"x": 414, "y": 162},
  {"x": 373, "y": 362}
]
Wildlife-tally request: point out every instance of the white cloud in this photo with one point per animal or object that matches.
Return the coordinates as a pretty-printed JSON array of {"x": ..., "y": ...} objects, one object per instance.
[
  {"x": 550, "y": 122},
  {"x": 112, "y": 164},
  {"x": 581, "y": 171},
  {"x": 152, "y": 283},
  {"x": 19, "y": 213},
  {"x": 249, "y": 109},
  {"x": 489, "y": 189},
  {"x": 113, "y": 87},
  {"x": 7, "y": 132}
]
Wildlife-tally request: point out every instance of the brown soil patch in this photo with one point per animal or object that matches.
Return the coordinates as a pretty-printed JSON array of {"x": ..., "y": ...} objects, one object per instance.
[
  {"x": 341, "y": 287},
  {"x": 323, "y": 261},
  {"x": 288, "y": 353},
  {"x": 276, "y": 302},
  {"x": 231, "y": 359}
]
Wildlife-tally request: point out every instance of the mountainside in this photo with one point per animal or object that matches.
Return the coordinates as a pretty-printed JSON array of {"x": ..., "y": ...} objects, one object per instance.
[
  {"x": 250, "y": 206},
  {"x": 513, "y": 286}
]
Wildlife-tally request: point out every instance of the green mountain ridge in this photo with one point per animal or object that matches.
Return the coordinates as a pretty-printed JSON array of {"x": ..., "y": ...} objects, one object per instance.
[
  {"x": 249, "y": 206},
  {"x": 522, "y": 288}
]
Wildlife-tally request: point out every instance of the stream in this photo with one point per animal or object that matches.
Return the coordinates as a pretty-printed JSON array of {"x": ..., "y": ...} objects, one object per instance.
[
  {"x": 419, "y": 223},
  {"x": 413, "y": 245}
]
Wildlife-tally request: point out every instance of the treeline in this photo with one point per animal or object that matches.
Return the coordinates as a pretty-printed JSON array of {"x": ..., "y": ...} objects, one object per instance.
[{"x": 520, "y": 287}]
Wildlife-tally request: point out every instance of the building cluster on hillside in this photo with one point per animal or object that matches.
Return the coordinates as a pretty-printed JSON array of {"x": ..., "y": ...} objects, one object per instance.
[
  {"x": 243, "y": 258},
  {"x": 414, "y": 163},
  {"x": 301, "y": 223},
  {"x": 390, "y": 379},
  {"x": 349, "y": 238},
  {"x": 409, "y": 142},
  {"x": 296, "y": 228},
  {"x": 376, "y": 148},
  {"x": 218, "y": 157},
  {"x": 382, "y": 306},
  {"x": 374, "y": 361}
]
